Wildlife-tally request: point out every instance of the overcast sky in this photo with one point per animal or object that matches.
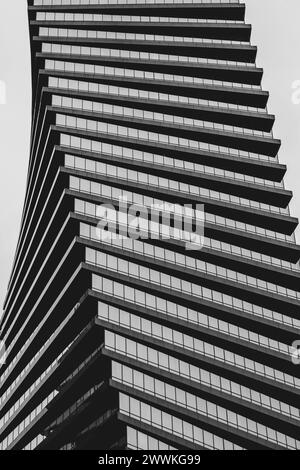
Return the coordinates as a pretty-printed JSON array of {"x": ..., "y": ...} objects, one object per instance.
[{"x": 276, "y": 32}]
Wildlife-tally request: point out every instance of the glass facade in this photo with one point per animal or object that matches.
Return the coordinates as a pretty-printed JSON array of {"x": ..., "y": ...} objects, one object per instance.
[{"x": 160, "y": 337}]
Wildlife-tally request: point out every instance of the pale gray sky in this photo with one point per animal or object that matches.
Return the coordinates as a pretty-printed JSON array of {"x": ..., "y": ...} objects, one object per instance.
[{"x": 276, "y": 32}]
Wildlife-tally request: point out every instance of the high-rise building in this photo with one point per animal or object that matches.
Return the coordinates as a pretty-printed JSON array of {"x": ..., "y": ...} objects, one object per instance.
[{"x": 120, "y": 342}]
